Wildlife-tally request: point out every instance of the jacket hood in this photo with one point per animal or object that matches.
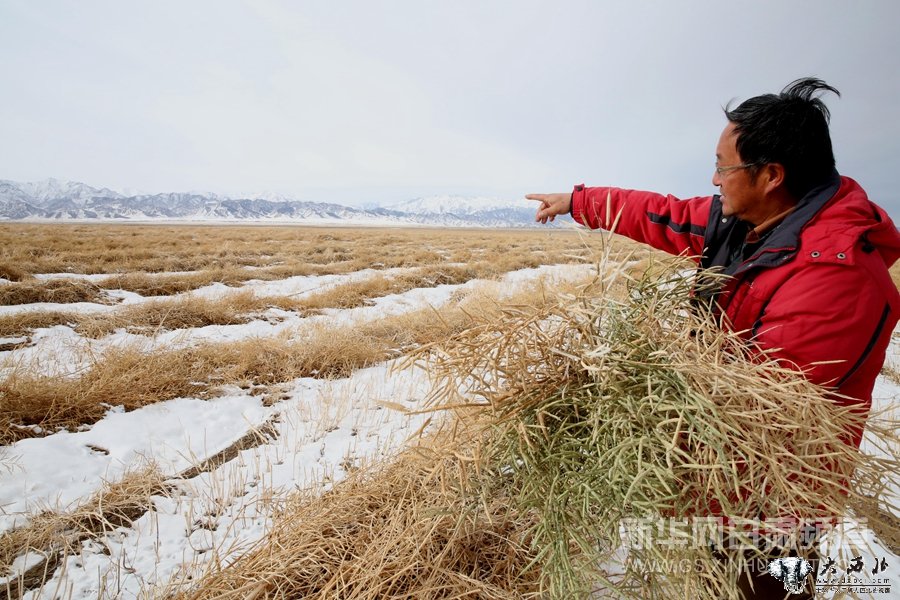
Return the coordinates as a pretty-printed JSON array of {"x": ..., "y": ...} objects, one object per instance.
[{"x": 849, "y": 217}]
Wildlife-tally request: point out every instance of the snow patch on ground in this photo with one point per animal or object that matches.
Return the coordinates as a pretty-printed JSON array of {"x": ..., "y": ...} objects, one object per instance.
[
  {"x": 53, "y": 472},
  {"x": 324, "y": 429}
]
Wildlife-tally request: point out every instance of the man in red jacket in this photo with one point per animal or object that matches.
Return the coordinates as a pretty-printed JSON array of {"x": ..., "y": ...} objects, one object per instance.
[{"x": 807, "y": 252}]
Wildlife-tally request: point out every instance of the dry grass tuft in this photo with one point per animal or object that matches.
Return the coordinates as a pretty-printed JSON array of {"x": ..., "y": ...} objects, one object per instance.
[
  {"x": 156, "y": 284},
  {"x": 53, "y": 535},
  {"x": 123, "y": 376},
  {"x": 180, "y": 313},
  {"x": 23, "y": 323},
  {"x": 357, "y": 293},
  {"x": 12, "y": 273},
  {"x": 895, "y": 274},
  {"x": 390, "y": 531},
  {"x": 317, "y": 352},
  {"x": 62, "y": 291}
]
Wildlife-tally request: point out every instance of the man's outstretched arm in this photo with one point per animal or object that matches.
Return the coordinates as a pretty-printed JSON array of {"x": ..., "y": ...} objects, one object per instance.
[{"x": 665, "y": 222}]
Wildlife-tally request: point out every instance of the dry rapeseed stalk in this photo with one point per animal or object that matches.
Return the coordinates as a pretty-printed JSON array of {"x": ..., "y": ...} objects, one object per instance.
[
  {"x": 61, "y": 291},
  {"x": 895, "y": 274},
  {"x": 12, "y": 273},
  {"x": 606, "y": 409},
  {"x": 122, "y": 376},
  {"x": 55, "y": 534},
  {"x": 388, "y": 531},
  {"x": 23, "y": 323},
  {"x": 180, "y": 313},
  {"x": 358, "y": 293},
  {"x": 163, "y": 284}
]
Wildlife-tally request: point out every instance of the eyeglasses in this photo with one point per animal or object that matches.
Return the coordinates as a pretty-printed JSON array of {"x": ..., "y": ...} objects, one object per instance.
[{"x": 721, "y": 171}]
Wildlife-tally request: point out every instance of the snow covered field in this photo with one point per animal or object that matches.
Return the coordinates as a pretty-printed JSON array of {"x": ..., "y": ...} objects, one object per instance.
[
  {"x": 227, "y": 463},
  {"x": 315, "y": 432}
]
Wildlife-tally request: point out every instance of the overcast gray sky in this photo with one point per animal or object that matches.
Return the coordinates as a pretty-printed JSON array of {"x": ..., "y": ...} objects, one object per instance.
[{"x": 355, "y": 101}]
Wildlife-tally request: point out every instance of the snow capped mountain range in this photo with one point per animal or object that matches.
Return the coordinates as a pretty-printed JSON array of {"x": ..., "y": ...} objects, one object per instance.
[
  {"x": 56, "y": 200},
  {"x": 458, "y": 205}
]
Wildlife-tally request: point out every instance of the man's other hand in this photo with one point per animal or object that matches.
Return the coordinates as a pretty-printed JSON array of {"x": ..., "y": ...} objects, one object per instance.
[{"x": 551, "y": 205}]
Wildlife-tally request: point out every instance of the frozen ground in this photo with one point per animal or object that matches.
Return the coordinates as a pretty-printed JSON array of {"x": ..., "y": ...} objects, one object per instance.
[{"x": 311, "y": 436}]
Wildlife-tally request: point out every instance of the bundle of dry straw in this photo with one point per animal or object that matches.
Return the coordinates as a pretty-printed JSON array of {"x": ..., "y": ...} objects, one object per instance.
[
  {"x": 398, "y": 530},
  {"x": 569, "y": 415},
  {"x": 642, "y": 407}
]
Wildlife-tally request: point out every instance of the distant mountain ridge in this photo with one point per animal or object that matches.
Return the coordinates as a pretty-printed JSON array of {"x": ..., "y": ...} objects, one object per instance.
[{"x": 54, "y": 200}]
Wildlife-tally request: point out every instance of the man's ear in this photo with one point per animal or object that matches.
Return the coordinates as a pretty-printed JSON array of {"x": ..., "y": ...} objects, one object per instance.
[{"x": 772, "y": 175}]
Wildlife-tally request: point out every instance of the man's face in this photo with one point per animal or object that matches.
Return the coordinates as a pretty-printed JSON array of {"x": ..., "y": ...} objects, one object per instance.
[{"x": 742, "y": 196}]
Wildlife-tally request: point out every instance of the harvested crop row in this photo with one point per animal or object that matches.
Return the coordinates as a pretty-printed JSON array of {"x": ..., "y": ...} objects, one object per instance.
[
  {"x": 63, "y": 291},
  {"x": 24, "y": 323},
  {"x": 391, "y": 531},
  {"x": 132, "y": 378},
  {"x": 53, "y": 535},
  {"x": 181, "y": 313},
  {"x": 167, "y": 284},
  {"x": 243, "y": 306},
  {"x": 354, "y": 294},
  {"x": 233, "y": 308}
]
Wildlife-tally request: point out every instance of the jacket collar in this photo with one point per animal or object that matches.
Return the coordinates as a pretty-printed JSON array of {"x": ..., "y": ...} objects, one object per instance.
[{"x": 782, "y": 244}]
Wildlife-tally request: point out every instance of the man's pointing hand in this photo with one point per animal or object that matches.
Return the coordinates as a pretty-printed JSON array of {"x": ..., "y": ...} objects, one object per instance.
[{"x": 551, "y": 205}]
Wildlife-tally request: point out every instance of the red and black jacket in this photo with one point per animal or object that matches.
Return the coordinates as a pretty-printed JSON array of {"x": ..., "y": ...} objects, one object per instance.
[{"x": 816, "y": 294}]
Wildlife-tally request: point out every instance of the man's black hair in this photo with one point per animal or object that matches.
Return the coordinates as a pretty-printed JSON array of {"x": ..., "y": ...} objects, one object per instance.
[{"x": 790, "y": 128}]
